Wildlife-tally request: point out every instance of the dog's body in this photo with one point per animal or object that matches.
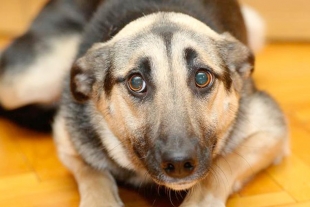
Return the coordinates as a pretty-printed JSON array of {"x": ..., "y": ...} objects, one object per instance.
[{"x": 162, "y": 92}]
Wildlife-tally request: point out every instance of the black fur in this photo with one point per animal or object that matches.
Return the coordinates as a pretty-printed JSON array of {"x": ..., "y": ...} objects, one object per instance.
[
  {"x": 36, "y": 117},
  {"x": 109, "y": 80}
]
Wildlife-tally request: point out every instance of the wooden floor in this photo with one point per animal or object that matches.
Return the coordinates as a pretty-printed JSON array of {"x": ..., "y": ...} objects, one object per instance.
[{"x": 32, "y": 176}]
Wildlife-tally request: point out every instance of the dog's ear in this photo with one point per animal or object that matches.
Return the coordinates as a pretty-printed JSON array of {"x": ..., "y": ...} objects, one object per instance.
[
  {"x": 236, "y": 56},
  {"x": 87, "y": 70},
  {"x": 82, "y": 80}
]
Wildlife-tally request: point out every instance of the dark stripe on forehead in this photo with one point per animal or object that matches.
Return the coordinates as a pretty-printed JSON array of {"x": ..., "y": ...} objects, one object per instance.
[
  {"x": 166, "y": 32},
  {"x": 109, "y": 80}
]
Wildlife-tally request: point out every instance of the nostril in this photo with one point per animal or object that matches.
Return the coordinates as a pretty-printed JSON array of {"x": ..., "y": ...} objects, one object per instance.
[
  {"x": 188, "y": 166},
  {"x": 179, "y": 168},
  {"x": 169, "y": 168}
]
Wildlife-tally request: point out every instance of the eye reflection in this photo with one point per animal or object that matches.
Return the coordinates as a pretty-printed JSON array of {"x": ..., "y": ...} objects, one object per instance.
[
  {"x": 203, "y": 78},
  {"x": 136, "y": 83}
]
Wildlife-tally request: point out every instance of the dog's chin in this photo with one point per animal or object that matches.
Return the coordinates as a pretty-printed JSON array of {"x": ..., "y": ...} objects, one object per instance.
[
  {"x": 177, "y": 186},
  {"x": 180, "y": 187}
]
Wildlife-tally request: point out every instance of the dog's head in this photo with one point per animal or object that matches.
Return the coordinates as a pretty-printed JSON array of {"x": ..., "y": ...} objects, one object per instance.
[{"x": 167, "y": 87}]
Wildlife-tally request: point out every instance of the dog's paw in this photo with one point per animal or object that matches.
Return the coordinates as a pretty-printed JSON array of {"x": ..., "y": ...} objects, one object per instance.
[
  {"x": 214, "y": 204},
  {"x": 101, "y": 204},
  {"x": 203, "y": 201},
  {"x": 95, "y": 201}
]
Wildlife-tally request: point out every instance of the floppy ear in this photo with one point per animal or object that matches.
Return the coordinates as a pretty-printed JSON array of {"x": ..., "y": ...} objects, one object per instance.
[
  {"x": 237, "y": 57},
  {"x": 87, "y": 70},
  {"x": 82, "y": 80}
]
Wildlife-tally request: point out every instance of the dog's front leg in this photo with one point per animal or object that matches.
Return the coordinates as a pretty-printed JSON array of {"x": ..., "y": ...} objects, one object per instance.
[
  {"x": 231, "y": 171},
  {"x": 97, "y": 188}
]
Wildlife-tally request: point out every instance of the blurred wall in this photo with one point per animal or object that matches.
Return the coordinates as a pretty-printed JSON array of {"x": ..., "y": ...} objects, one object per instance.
[
  {"x": 16, "y": 15},
  {"x": 285, "y": 19}
]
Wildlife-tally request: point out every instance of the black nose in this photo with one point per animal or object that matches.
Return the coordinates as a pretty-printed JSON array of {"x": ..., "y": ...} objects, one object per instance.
[{"x": 178, "y": 164}]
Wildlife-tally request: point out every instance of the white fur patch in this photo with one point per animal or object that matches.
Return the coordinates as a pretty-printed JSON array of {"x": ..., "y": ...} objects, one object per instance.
[
  {"x": 202, "y": 197},
  {"x": 237, "y": 186},
  {"x": 62, "y": 138},
  {"x": 255, "y": 28},
  {"x": 112, "y": 144},
  {"x": 116, "y": 149},
  {"x": 40, "y": 82}
]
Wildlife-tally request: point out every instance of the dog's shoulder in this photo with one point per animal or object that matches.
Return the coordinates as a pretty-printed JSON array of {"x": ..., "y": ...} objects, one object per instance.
[
  {"x": 265, "y": 113},
  {"x": 258, "y": 113}
]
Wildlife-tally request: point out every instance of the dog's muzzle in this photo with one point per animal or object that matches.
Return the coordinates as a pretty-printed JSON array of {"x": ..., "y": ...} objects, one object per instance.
[{"x": 177, "y": 162}]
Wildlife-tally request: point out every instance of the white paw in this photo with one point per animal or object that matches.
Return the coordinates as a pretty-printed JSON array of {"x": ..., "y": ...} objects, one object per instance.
[
  {"x": 95, "y": 200},
  {"x": 101, "y": 204},
  {"x": 205, "y": 201},
  {"x": 204, "y": 205},
  {"x": 237, "y": 186}
]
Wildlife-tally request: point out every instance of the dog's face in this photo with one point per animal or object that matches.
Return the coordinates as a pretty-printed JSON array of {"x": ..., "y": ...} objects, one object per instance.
[{"x": 168, "y": 87}]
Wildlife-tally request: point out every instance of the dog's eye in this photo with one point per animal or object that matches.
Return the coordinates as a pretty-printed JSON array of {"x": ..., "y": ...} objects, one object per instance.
[
  {"x": 203, "y": 78},
  {"x": 136, "y": 83}
]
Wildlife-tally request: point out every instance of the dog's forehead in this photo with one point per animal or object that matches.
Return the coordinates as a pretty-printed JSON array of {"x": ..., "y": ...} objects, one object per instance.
[
  {"x": 155, "y": 36},
  {"x": 162, "y": 38},
  {"x": 177, "y": 19}
]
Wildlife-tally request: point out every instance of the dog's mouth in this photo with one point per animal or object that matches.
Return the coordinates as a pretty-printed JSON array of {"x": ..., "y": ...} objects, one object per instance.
[
  {"x": 177, "y": 168},
  {"x": 179, "y": 184}
]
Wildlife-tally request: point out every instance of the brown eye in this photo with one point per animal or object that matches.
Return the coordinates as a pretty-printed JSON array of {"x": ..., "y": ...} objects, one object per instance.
[
  {"x": 203, "y": 78},
  {"x": 136, "y": 83}
]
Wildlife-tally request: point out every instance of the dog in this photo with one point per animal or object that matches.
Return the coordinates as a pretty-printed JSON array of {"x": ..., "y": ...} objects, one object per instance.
[{"x": 160, "y": 92}]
